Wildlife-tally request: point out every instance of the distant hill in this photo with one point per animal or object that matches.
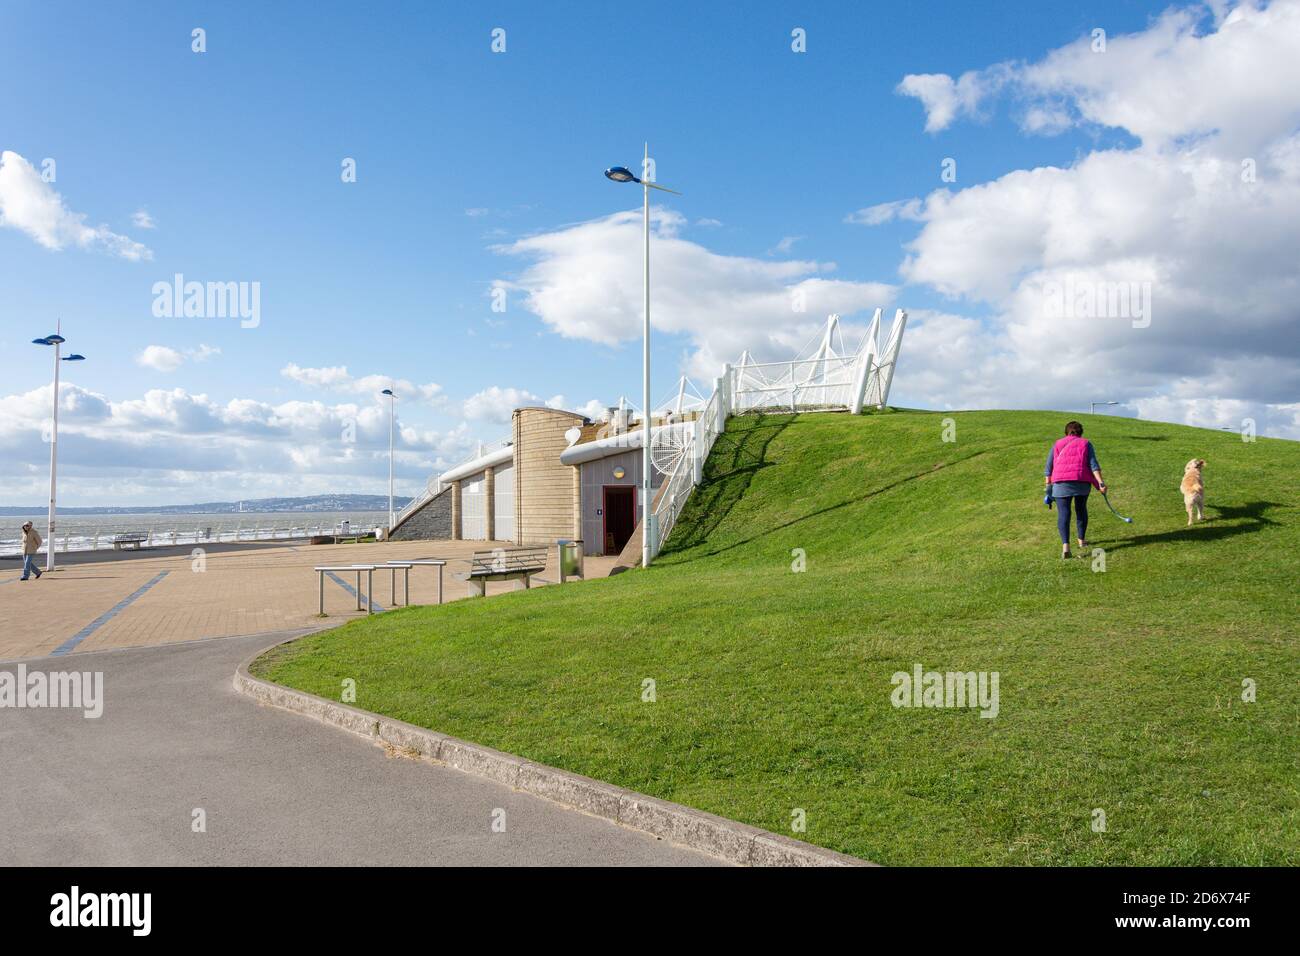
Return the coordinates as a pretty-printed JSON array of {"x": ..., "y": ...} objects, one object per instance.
[{"x": 308, "y": 503}]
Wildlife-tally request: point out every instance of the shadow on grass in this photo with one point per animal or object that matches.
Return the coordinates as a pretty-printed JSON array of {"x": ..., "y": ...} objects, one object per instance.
[
  {"x": 737, "y": 455},
  {"x": 1248, "y": 517},
  {"x": 704, "y": 521}
]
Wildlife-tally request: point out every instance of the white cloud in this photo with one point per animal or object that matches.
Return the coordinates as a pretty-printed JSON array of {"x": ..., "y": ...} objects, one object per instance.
[
  {"x": 886, "y": 212},
  {"x": 170, "y": 445},
  {"x": 945, "y": 99},
  {"x": 784, "y": 247},
  {"x": 162, "y": 358},
  {"x": 494, "y": 404},
  {"x": 584, "y": 281},
  {"x": 1046, "y": 120},
  {"x": 594, "y": 409},
  {"x": 1225, "y": 73},
  {"x": 337, "y": 378},
  {"x": 30, "y": 205},
  {"x": 1234, "y": 86},
  {"x": 1212, "y": 237},
  {"x": 142, "y": 220}
]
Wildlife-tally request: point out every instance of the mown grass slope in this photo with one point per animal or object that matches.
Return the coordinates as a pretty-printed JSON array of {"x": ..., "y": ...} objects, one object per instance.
[{"x": 1120, "y": 690}]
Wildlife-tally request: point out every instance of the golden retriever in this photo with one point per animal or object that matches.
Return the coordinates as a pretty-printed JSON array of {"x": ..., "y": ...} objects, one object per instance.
[{"x": 1193, "y": 489}]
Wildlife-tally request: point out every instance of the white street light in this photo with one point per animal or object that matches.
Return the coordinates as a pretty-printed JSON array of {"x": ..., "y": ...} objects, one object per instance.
[
  {"x": 1092, "y": 406},
  {"x": 392, "y": 414},
  {"x": 621, "y": 174},
  {"x": 56, "y": 340}
]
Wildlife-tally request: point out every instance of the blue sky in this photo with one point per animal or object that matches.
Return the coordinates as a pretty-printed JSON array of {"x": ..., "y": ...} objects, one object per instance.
[{"x": 234, "y": 154}]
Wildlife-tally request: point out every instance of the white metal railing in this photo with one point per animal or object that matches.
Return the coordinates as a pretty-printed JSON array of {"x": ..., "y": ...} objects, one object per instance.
[
  {"x": 434, "y": 486},
  {"x": 97, "y": 539},
  {"x": 816, "y": 383},
  {"x": 689, "y": 469},
  {"x": 431, "y": 490}
]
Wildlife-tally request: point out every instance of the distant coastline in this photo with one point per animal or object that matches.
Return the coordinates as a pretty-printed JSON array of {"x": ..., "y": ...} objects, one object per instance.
[{"x": 307, "y": 504}]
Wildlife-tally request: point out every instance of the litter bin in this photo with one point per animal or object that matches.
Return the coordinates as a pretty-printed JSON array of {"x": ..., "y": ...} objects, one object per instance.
[{"x": 569, "y": 559}]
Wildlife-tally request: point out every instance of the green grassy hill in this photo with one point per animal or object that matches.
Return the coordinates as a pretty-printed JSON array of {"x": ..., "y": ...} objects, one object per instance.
[{"x": 1119, "y": 690}]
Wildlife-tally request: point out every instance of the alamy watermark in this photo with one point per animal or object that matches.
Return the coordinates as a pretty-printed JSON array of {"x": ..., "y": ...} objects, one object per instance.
[
  {"x": 179, "y": 299},
  {"x": 129, "y": 910},
  {"x": 77, "y": 690},
  {"x": 1074, "y": 299},
  {"x": 954, "y": 689}
]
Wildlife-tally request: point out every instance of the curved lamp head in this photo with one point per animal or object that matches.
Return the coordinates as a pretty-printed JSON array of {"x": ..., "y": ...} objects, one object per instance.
[
  {"x": 74, "y": 357},
  {"x": 621, "y": 174},
  {"x": 388, "y": 392},
  {"x": 52, "y": 339}
]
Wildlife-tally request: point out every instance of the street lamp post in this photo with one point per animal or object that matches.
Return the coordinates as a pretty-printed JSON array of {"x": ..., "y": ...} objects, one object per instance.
[
  {"x": 621, "y": 174},
  {"x": 1092, "y": 406},
  {"x": 392, "y": 415},
  {"x": 56, "y": 340}
]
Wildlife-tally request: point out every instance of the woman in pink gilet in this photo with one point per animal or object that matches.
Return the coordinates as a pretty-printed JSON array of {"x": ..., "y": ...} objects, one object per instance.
[{"x": 1072, "y": 472}]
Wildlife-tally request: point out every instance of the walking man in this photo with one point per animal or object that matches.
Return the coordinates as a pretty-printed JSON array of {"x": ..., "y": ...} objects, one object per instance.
[{"x": 31, "y": 542}]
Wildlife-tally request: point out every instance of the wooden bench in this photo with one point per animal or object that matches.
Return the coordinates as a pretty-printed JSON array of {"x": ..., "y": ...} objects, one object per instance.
[
  {"x": 503, "y": 564},
  {"x": 130, "y": 539}
]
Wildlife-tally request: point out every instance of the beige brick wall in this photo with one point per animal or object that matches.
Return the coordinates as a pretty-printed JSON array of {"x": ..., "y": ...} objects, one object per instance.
[{"x": 543, "y": 485}]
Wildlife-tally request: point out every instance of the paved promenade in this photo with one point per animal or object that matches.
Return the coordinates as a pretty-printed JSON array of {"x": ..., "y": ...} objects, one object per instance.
[
  {"x": 166, "y": 596},
  {"x": 176, "y": 742}
]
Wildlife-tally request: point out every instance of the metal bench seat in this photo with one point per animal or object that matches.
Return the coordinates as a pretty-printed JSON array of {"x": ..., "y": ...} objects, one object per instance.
[
  {"x": 132, "y": 539},
  {"x": 503, "y": 564}
]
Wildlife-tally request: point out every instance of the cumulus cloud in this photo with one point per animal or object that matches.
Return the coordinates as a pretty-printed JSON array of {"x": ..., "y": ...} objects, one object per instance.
[
  {"x": 163, "y": 358},
  {"x": 594, "y": 408},
  {"x": 169, "y": 442},
  {"x": 142, "y": 220},
  {"x": 1224, "y": 72},
  {"x": 1200, "y": 219},
  {"x": 494, "y": 404},
  {"x": 945, "y": 99},
  {"x": 160, "y": 358},
  {"x": 337, "y": 378},
  {"x": 30, "y": 205},
  {"x": 584, "y": 281}
]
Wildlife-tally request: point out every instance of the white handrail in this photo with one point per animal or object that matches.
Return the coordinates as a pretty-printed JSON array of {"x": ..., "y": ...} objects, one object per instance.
[
  {"x": 689, "y": 468},
  {"x": 102, "y": 538}
]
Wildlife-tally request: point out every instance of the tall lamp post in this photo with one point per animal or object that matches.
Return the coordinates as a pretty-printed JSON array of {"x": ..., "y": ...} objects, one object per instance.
[
  {"x": 392, "y": 415},
  {"x": 621, "y": 174},
  {"x": 1092, "y": 406},
  {"x": 56, "y": 340}
]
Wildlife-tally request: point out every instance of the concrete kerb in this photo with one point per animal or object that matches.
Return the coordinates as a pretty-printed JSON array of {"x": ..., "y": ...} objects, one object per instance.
[{"x": 726, "y": 839}]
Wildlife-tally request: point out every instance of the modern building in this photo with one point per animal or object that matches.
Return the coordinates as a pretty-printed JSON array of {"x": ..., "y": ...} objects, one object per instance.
[
  {"x": 515, "y": 490},
  {"x": 606, "y": 460},
  {"x": 559, "y": 475}
]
